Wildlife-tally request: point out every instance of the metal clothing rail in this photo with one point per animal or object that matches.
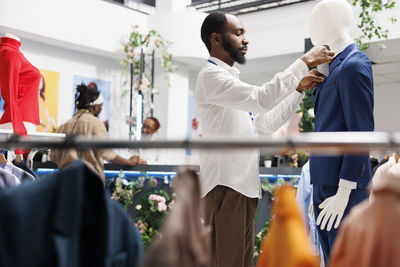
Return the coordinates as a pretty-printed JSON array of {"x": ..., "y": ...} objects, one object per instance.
[{"x": 325, "y": 143}]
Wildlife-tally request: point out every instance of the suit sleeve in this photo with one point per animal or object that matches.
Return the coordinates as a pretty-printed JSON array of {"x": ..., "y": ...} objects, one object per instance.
[
  {"x": 12, "y": 68},
  {"x": 357, "y": 98}
]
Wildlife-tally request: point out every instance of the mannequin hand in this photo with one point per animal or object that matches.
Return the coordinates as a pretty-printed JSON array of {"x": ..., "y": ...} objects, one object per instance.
[
  {"x": 317, "y": 56},
  {"x": 310, "y": 81},
  {"x": 333, "y": 207}
]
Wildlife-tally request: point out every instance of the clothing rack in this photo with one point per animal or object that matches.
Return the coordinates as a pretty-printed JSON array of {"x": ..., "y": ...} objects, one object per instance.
[{"x": 324, "y": 143}]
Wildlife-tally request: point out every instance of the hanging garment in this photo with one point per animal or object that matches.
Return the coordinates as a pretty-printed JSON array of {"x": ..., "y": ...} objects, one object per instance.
[
  {"x": 64, "y": 220},
  {"x": 369, "y": 236},
  {"x": 19, "y": 83},
  {"x": 8, "y": 179},
  {"x": 304, "y": 200},
  {"x": 286, "y": 243},
  {"x": 182, "y": 241},
  {"x": 20, "y": 173},
  {"x": 22, "y": 165}
]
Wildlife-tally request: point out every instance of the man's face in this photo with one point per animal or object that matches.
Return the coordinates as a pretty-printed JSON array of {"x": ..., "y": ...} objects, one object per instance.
[
  {"x": 149, "y": 127},
  {"x": 97, "y": 109},
  {"x": 234, "y": 41}
]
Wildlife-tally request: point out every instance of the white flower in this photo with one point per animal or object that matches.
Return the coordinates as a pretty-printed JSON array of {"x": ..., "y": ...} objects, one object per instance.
[
  {"x": 311, "y": 112},
  {"x": 125, "y": 182},
  {"x": 138, "y": 207}
]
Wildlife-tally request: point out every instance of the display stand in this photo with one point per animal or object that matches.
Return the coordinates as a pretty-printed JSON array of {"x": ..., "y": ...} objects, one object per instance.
[{"x": 144, "y": 95}]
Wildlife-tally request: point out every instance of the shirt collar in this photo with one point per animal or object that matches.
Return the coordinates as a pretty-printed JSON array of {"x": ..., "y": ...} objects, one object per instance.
[{"x": 222, "y": 64}]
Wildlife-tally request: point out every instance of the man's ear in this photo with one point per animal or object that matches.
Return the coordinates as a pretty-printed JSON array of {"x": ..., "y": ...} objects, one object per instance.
[{"x": 216, "y": 39}]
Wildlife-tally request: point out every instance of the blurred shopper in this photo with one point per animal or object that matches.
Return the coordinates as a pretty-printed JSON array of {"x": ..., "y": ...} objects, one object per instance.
[{"x": 84, "y": 122}]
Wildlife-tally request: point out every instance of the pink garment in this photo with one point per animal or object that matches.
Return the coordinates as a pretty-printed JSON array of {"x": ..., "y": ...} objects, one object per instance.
[{"x": 369, "y": 236}]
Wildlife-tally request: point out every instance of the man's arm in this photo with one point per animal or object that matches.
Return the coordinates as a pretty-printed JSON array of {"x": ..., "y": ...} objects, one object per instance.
[
  {"x": 220, "y": 88},
  {"x": 269, "y": 122}
]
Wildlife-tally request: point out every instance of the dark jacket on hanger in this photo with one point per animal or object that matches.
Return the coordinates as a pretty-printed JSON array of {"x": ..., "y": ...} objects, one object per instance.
[{"x": 65, "y": 220}]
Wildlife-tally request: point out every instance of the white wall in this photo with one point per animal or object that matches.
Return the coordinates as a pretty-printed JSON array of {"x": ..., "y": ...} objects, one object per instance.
[
  {"x": 386, "y": 111},
  {"x": 92, "y": 26}
]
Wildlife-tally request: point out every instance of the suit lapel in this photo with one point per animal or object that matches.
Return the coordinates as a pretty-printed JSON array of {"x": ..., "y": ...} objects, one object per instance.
[
  {"x": 339, "y": 58},
  {"x": 336, "y": 62}
]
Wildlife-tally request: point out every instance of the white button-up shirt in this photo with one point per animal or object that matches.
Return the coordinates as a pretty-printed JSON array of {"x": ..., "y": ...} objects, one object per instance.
[{"x": 223, "y": 103}]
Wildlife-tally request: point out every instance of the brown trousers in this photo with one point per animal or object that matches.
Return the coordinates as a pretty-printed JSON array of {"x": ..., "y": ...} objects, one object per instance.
[{"x": 231, "y": 218}]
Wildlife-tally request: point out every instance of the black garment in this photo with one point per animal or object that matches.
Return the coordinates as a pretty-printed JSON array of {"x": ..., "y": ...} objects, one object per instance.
[
  {"x": 22, "y": 165},
  {"x": 379, "y": 164},
  {"x": 65, "y": 220}
]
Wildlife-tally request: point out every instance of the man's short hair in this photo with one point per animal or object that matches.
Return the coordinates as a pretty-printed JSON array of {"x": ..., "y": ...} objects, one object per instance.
[{"x": 214, "y": 22}]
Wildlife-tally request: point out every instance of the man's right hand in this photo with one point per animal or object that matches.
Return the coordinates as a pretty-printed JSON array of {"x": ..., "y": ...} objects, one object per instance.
[
  {"x": 133, "y": 161},
  {"x": 317, "y": 56},
  {"x": 310, "y": 80}
]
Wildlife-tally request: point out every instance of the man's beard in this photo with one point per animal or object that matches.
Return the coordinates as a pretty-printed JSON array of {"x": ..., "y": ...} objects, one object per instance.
[{"x": 233, "y": 52}]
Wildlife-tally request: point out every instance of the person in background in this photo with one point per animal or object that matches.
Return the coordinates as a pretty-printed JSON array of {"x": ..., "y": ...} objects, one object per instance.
[
  {"x": 149, "y": 129},
  {"x": 103, "y": 114},
  {"x": 84, "y": 122}
]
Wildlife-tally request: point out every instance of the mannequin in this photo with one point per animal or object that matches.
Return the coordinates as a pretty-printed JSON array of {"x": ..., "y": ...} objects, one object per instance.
[
  {"x": 344, "y": 102},
  {"x": 19, "y": 83}
]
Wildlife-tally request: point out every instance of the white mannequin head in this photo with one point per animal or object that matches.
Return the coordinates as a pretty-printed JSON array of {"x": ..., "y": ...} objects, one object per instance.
[
  {"x": 330, "y": 21},
  {"x": 9, "y": 35}
]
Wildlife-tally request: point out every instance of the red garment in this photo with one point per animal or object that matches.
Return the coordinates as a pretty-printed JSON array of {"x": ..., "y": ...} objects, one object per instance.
[{"x": 19, "y": 83}]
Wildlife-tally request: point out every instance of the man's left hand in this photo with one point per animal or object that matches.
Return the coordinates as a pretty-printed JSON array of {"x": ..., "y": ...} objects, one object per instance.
[{"x": 310, "y": 81}]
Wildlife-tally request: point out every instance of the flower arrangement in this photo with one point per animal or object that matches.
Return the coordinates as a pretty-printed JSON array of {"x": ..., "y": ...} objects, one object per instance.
[
  {"x": 151, "y": 211},
  {"x": 125, "y": 190},
  {"x": 270, "y": 187},
  {"x": 138, "y": 41},
  {"x": 298, "y": 158}
]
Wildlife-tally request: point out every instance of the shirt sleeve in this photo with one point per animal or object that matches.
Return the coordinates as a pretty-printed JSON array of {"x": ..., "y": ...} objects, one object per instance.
[
  {"x": 220, "y": 88},
  {"x": 101, "y": 131},
  {"x": 12, "y": 68},
  {"x": 269, "y": 122}
]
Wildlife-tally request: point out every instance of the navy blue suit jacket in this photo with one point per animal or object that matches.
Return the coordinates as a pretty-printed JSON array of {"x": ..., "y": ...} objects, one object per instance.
[{"x": 344, "y": 102}]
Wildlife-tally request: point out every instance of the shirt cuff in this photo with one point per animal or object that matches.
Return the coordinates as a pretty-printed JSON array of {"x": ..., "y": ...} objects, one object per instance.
[
  {"x": 347, "y": 184},
  {"x": 299, "y": 68}
]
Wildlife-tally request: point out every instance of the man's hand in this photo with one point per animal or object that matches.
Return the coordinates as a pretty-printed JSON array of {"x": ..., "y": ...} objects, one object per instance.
[
  {"x": 310, "y": 81},
  {"x": 317, "y": 56},
  {"x": 133, "y": 161}
]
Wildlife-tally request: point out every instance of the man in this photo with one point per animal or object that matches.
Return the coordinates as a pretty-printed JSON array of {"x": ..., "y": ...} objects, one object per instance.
[
  {"x": 227, "y": 106},
  {"x": 85, "y": 123}
]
